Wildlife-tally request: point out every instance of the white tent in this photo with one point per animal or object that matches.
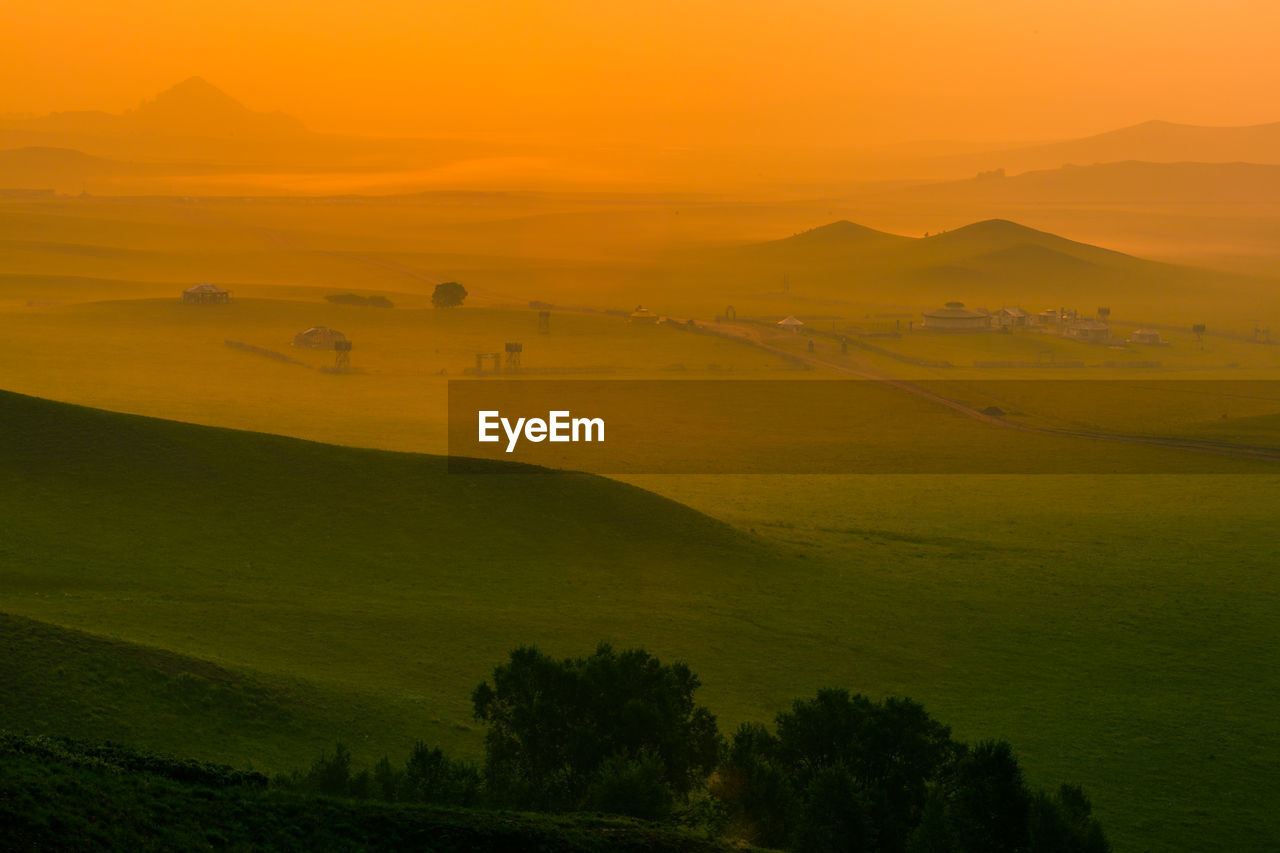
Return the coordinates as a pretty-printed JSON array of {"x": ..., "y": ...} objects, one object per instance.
[{"x": 790, "y": 322}]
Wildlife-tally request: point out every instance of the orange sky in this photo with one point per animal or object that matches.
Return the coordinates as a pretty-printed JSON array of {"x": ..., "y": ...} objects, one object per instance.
[{"x": 671, "y": 71}]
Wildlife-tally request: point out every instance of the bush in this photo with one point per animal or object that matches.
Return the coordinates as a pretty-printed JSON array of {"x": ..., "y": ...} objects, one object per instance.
[{"x": 631, "y": 786}]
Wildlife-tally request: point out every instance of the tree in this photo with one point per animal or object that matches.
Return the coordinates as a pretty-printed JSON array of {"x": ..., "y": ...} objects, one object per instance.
[
  {"x": 1064, "y": 823},
  {"x": 450, "y": 294},
  {"x": 330, "y": 775},
  {"x": 1198, "y": 329},
  {"x": 842, "y": 772},
  {"x": 553, "y": 725},
  {"x": 430, "y": 776},
  {"x": 990, "y": 805},
  {"x": 1104, "y": 312}
]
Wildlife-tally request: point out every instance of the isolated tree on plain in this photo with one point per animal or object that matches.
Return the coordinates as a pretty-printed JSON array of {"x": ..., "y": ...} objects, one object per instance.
[
  {"x": 449, "y": 294},
  {"x": 1198, "y": 329},
  {"x": 1104, "y": 312}
]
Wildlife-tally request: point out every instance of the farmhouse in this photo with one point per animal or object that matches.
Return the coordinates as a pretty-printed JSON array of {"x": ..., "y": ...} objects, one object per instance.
[
  {"x": 1151, "y": 337},
  {"x": 954, "y": 317},
  {"x": 643, "y": 315},
  {"x": 1088, "y": 330},
  {"x": 319, "y": 337},
  {"x": 1006, "y": 317},
  {"x": 791, "y": 323},
  {"x": 205, "y": 294}
]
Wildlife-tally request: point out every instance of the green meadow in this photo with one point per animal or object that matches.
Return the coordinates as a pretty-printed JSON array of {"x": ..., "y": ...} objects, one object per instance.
[{"x": 350, "y": 594}]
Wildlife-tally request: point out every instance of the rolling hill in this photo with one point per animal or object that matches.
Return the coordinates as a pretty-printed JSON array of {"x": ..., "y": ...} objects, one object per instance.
[
  {"x": 1129, "y": 182},
  {"x": 993, "y": 260},
  {"x": 350, "y": 569}
]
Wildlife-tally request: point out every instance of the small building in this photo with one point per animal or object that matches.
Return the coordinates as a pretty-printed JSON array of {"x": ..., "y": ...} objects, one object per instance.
[
  {"x": 954, "y": 317},
  {"x": 1149, "y": 337},
  {"x": 791, "y": 324},
  {"x": 319, "y": 337},
  {"x": 643, "y": 315},
  {"x": 1049, "y": 317},
  {"x": 1007, "y": 317},
  {"x": 1088, "y": 330},
  {"x": 205, "y": 294}
]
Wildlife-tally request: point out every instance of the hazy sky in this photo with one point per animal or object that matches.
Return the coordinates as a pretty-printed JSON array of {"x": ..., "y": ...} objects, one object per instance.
[{"x": 674, "y": 71}]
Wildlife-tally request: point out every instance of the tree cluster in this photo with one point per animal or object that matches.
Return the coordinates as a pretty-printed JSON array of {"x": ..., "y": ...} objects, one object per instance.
[
  {"x": 842, "y": 772},
  {"x": 620, "y": 733}
]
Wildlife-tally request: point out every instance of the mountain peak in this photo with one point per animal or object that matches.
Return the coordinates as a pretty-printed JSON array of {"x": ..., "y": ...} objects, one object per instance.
[
  {"x": 192, "y": 94},
  {"x": 197, "y": 107},
  {"x": 195, "y": 88}
]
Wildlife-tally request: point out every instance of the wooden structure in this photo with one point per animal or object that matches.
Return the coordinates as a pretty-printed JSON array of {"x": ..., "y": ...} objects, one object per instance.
[
  {"x": 513, "y": 350},
  {"x": 1007, "y": 317},
  {"x": 1150, "y": 337},
  {"x": 544, "y": 322},
  {"x": 319, "y": 337},
  {"x": 954, "y": 317},
  {"x": 205, "y": 294},
  {"x": 1088, "y": 330}
]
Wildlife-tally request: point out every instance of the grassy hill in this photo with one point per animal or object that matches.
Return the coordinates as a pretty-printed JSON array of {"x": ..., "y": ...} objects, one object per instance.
[{"x": 354, "y": 569}]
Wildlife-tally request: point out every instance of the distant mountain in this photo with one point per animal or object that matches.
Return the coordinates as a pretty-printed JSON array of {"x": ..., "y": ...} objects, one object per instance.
[
  {"x": 1152, "y": 141},
  {"x": 191, "y": 122},
  {"x": 196, "y": 107},
  {"x": 1117, "y": 183}
]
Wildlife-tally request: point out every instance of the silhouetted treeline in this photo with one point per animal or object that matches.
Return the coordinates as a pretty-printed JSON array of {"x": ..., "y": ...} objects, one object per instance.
[{"x": 620, "y": 733}]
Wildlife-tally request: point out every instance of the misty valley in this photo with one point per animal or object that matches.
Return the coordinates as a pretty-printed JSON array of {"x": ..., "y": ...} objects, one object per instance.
[{"x": 986, "y": 564}]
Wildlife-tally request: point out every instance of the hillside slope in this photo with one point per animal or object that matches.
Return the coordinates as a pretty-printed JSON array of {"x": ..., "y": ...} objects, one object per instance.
[{"x": 365, "y": 573}]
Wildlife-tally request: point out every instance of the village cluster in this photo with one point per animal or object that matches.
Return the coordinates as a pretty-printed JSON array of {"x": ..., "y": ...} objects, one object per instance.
[{"x": 955, "y": 317}]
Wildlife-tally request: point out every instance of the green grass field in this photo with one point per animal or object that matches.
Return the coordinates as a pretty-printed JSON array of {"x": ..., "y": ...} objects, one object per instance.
[{"x": 353, "y": 593}]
